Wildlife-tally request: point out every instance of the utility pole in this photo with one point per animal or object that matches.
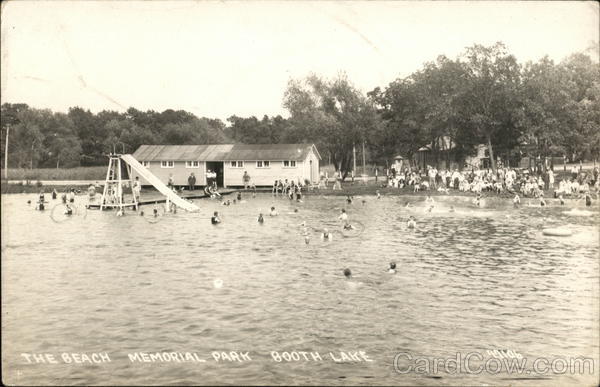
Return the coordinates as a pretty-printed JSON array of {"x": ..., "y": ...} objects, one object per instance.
[
  {"x": 6, "y": 153},
  {"x": 354, "y": 161},
  {"x": 364, "y": 163}
]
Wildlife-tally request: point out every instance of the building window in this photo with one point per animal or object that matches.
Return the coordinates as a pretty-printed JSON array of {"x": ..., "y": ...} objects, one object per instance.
[
  {"x": 262, "y": 164},
  {"x": 167, "y": 164},
  {"x": 237, "y": 164},
  {"x": 146, "y": 164},
  {"x": 289, "y": 163},
  {"x": 192, "y": 164}
]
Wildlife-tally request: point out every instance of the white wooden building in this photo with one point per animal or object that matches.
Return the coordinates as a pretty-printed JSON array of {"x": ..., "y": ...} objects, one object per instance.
[{"x": 265, "y": 163}]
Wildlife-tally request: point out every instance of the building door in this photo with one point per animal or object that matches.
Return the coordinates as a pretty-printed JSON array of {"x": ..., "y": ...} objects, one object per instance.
[{"x": 217, "y": 167}]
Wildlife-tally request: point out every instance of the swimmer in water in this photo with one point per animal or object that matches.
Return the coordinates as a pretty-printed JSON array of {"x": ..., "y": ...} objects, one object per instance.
[
  {"x": 412, "y": 223},
  {"x": 54, "y": 194},
  {"x": 239, "y": 196},
  {"x": 142, "y": 213},
  {"x": 478, "y": 200},
  {"x": 344, "y": 218},
  {"x": 349, "y": 199},
  {"x": 347, "y": 273},
  {"x": 234, "y": 201},
  {"x": 429, "y": 199},
  {"x": 516, "y": 201},
  {"x": 215, "y": 218},
  {"x": 562, "y": 201},
  {"x": 120, "y": 212},
  {"x": 260, "y": 219},
  {"x": 68, "y": 210},
  {"x": 326, "y": 235},
  {"x": 378, "y": 194},
  {"x": 588, "y": 200},
  {"x": 542, "y": 201},
  {"x": 407, "y": 205},
  {"x": 363, "y": 202},
  {"x": 273, "y": 212},
  {"x": 306, "y": 239},
  {"x": 392, "y": 269},
  {"x": 304, "y": 228}
]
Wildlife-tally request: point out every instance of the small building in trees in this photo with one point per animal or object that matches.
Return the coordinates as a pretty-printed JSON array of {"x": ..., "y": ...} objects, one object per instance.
[
  {"x": 442, "y": 154},
  {"x": 265, "y": 163}
]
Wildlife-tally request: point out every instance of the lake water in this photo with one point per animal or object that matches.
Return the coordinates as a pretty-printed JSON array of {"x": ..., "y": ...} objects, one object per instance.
[{"x": 474, "y": 280}]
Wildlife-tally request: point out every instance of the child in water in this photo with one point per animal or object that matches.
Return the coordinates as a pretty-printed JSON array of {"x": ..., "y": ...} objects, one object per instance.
[
  {"x": 273, "y": 212},
  {"x": 326, "y": 235},
  {"x": 378, "y": 194},
  {"x": 215, "y": 218},
  {"x": 349, "y": 199},
  {"x": 260, "y": 219},
  {"x": 516, "y": 201},
  {"x": 429, "y": 199},
  {"x": 542, "y": 201},
  {"x": 54, "y": 194},
  {"x": 347, "y": 273},
  {"x": 68, "y": 210},
  {"x": 392, "y": 269},
  {"x": 344, "y": 218},
  {"x": 412, "y": 223},
  {"x": 562, "y": 201},
  {"x": 478, "y": 200},
  {"x": 588, "y": 200}
]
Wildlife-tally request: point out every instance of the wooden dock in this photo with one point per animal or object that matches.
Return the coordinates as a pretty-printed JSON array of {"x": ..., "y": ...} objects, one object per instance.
[{"x": 154, "y": 197}]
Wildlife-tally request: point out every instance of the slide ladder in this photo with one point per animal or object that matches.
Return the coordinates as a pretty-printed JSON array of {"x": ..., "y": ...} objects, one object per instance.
[{"x": 158, "y": 184}]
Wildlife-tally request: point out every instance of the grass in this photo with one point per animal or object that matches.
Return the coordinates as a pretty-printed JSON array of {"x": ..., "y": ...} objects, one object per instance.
[
  {"x": 35, "y": 188},
  {"x": 78, "y": 173}
]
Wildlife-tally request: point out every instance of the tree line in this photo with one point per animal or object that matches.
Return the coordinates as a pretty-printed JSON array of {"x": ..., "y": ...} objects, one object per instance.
[{"x": 483, "y": 96}]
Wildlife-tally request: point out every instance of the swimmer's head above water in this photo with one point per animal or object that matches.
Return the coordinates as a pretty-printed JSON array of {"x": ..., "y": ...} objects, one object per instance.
[{"x": 347, "y": 273}]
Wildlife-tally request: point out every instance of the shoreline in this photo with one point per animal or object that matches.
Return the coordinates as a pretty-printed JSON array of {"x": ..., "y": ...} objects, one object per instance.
[{"x": 354, "y": 191}]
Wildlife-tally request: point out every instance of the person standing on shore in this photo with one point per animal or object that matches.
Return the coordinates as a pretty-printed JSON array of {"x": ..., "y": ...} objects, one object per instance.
[
  {"x": 246, "y": 180},
  {"x": 137, "y": 188},
  {"x": 191, "y": 181}
]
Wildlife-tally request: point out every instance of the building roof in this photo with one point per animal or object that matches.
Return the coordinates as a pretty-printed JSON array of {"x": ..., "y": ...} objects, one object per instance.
[{"x": 225, "y": 152}]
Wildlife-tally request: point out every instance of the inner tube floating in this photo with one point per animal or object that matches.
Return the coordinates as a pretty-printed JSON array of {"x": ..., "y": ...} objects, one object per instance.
[{"x": 557, "y": 231}]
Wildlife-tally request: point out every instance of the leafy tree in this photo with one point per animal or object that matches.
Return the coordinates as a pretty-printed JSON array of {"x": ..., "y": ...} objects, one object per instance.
[
  {"x": 331, "y": 113},
  {"x": 489, "y": 102}
]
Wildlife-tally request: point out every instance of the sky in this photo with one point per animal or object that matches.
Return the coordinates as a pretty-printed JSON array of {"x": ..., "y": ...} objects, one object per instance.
[{"x": 217, "y": 59}]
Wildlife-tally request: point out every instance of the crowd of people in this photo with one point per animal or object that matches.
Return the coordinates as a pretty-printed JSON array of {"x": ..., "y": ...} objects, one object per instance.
[
  {"x": 288, "y": 188},
  {"x": 505, "y": 180}
]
